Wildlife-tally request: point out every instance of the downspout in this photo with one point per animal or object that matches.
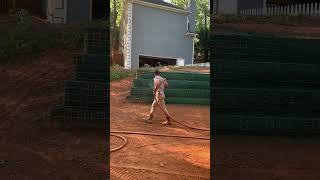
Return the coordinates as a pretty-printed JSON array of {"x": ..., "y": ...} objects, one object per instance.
[{"x": 90, "y": 11}]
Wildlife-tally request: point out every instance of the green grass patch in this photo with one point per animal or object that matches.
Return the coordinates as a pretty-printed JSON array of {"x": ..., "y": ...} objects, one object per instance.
[
  {"x": 118, "y": 73},
  {"x": 23, "y": 44}
]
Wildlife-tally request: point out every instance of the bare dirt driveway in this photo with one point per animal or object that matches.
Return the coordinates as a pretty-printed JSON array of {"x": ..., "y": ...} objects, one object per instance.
[{"x": 150, "y": 157}]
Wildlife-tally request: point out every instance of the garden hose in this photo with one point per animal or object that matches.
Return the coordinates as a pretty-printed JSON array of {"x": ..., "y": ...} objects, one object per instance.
[
  {"x": 190, "y": 127},
  {"x": 156, "y": 134},
  {"x": 112, "y": 133},
  {"x": 122, "y": 145}
]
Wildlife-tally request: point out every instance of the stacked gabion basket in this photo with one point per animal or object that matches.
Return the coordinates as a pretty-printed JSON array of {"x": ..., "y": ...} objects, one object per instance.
[
  {"x": 266, "y": 84},
  {"x": 85, "y": 99},
  {"x": 184, "y": 88}
]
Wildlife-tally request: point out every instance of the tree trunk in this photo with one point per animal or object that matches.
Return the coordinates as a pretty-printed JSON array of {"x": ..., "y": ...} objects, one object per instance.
[
  {"x": 206, "y": 54},
  {"x": 114, "y": 23}
]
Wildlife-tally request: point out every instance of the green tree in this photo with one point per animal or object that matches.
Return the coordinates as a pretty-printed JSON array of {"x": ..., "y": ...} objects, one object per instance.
[
  {"x": 180, "y": 3},
  {"x": 202, "y": 12},
  {"x": 116, "y": 7},
  {"x": 202, "y": 43},
  {"x": 202, "y": 24}
]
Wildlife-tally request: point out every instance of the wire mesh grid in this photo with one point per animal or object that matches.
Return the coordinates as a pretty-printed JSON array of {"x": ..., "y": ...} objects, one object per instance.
[
  {"x": 79, "y": 116},
  {"x": 184, "y": 88},
  {"x": 266, "y": 84},
  {"x": 97, "y": 41},
  {"x": 90, "y": 68},
  {"x": 266, "y": 124},
  {"x": 85, "y": 95},
  {"x": 265, "y": 49}
]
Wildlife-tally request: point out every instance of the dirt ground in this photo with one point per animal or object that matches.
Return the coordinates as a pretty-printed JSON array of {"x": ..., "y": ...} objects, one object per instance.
[
  {"x": 271, "y": 29},
  {"x": 266, "y": 158},
  {"x": 147, "y": 157},
  {"x": 31, "y": 147}
]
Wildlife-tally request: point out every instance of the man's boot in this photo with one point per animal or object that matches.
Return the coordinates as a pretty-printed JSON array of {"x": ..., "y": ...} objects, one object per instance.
[
  {"x": 168, "y": 121},
  {"x": 149, "y": 119}
]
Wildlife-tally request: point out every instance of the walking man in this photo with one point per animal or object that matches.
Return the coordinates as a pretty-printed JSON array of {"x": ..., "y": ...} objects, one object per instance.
[{"x": 158, "y": 93}]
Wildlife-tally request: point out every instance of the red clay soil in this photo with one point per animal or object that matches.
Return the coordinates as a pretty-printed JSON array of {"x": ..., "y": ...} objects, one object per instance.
[
  {"x": 149, "y": 157},
  {"x": 268, "y": 28},
  {"x": 31, "y": 147},
  {"x": 265, "y": 158}
]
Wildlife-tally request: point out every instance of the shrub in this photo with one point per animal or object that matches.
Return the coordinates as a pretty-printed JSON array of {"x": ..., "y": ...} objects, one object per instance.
[
  {"x": 117, "y": 73},
  {"x": 22, "y": 41}
]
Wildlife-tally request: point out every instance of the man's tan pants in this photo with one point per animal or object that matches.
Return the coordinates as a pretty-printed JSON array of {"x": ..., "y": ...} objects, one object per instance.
[{"x": 162, "y": 104}]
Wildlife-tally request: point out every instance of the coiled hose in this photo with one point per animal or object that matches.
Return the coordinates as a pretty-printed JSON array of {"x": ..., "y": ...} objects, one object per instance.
[{"x": 156, "y": 134}]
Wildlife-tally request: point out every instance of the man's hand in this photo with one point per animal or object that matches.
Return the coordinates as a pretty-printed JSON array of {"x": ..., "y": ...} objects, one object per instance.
[{"x": 165, "y": 83}]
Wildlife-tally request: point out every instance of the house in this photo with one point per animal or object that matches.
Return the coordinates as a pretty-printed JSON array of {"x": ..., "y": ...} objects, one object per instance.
[
  {"x": 154, "y": 32},
  {"x": 233, "y": 7},
  {"x": 60, "y": 11},
  {"x": 75, "y": 11}
]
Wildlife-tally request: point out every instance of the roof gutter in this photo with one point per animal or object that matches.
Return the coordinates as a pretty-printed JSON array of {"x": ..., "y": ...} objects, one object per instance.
[{"x": 161, "y": 7}]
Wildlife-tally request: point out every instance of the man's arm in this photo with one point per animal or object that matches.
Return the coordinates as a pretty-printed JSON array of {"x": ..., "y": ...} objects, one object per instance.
[
  {"x": 156, "y": 87},
  {"x": 166, "y": 83}
]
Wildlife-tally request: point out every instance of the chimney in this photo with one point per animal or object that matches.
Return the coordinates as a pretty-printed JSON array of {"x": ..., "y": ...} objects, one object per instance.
[{"x": 191, "y": 16}]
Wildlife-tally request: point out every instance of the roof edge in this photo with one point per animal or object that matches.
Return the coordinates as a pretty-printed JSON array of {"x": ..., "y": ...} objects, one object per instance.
[{"x": 161, "y": 7}]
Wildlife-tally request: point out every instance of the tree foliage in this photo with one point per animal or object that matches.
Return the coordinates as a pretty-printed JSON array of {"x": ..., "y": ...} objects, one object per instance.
[
  {"x": 202, "y": 11},
  {"x": 202, "y": 23},
  {"x": 119, "y": 8}
]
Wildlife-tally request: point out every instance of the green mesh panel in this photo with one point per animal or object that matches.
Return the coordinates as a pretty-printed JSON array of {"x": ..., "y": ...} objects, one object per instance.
[
  {"x": 184, "y": 88},
  {"x": 174, "y": 84},
  {"x": 265, "y": 84},
  {"x": 79, "y": 116},
  {"x": 85, "y": 95}
]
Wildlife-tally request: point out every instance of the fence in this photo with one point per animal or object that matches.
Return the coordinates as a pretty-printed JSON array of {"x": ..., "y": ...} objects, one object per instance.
[
  {"x": 308, "y": 9},
  {"x": 206, "y": 64},
  {"x": 33, "y": 6}
]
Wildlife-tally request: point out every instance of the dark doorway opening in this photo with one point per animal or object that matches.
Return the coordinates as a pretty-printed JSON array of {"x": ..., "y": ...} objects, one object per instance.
[
  {"x": 99, "y": 9},
  {"x": 155, "y": 61}
]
